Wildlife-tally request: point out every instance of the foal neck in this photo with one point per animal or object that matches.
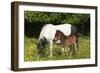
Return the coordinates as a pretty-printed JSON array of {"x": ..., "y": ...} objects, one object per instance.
[{"x": 63, "y": 39}]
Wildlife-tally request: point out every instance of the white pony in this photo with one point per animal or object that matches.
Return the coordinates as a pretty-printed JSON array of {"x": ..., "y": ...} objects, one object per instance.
[{"x": 47, "y": 34}]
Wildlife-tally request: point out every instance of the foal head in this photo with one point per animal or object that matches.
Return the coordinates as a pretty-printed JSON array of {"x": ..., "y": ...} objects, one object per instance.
[{"x": 59, "y": 36}]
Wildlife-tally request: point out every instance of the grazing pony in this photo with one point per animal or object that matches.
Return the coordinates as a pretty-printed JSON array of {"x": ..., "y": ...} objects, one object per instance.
[
  {"x": 69, "y": 43},
  {"x": 47, "y": 35}
]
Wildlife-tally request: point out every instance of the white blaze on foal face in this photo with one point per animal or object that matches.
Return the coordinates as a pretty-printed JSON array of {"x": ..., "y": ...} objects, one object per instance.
[{"x": 57, "y": 42}]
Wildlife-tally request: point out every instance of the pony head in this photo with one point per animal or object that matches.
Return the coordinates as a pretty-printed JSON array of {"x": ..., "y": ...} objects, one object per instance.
[{"x": 41, "y": 43}]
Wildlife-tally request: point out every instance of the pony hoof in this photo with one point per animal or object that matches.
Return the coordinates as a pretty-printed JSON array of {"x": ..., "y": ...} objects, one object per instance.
[{"x": 50, "y": 55}]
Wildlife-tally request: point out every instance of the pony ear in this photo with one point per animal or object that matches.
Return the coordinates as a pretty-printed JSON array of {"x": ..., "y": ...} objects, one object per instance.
[{"x": 57, "y": 30}]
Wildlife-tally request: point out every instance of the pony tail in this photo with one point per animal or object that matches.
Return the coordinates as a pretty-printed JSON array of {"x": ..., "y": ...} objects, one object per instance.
[
  {"x": 74, "y": 31},
  {"x": 77, "y": 41}
]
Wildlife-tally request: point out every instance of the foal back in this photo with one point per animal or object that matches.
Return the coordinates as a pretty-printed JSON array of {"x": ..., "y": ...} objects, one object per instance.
[{"x": 70, "y": 40}]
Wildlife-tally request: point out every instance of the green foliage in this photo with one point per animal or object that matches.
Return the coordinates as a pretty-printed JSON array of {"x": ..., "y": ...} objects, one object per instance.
[
  {"x": 30, "y": 49},
  {"x": 56, "y": 18},
  {"x": 31, "y": 53},
  {"x": 34, "y": 21}
]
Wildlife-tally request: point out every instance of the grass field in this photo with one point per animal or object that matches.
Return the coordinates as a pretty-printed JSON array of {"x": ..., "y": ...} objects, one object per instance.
[{"x": 31, "y": 53}]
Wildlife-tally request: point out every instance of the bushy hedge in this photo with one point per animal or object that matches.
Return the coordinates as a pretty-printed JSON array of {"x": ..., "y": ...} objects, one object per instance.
[{"x": 34, "y": 21}]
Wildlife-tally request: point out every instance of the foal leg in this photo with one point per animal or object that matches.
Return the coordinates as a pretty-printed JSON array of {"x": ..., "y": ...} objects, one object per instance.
[
  {"x": 75, "y": 48},
  {"x": 72, "y": 49},
  {"x": 62, "y": 50},
  {"x": 67, "y": 50}
]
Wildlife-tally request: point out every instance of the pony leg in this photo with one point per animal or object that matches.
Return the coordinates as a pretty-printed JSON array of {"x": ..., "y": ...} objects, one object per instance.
[
  {"x": 38, "y": 57},
  {"x": 51, "y": 43}
]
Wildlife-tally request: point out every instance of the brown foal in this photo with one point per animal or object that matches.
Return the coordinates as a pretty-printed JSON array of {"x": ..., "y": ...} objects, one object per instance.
[{"x": 68, "y": 43}]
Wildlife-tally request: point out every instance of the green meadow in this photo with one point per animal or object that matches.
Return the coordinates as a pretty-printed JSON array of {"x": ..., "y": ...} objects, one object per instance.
[{"x": 31, "y": 52}]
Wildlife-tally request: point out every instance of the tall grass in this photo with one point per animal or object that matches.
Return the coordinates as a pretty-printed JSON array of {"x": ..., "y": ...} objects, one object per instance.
[{"x": 31, "y": 53}]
